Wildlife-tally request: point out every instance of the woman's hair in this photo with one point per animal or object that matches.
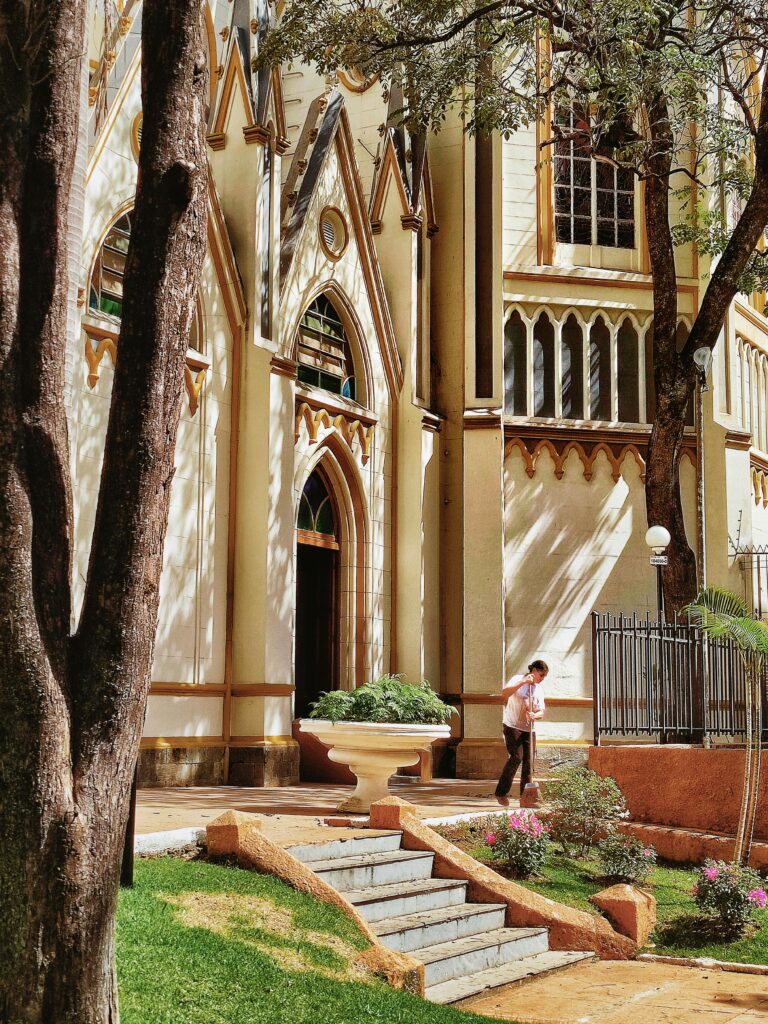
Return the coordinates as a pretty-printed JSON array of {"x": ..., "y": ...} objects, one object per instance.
[{"x": 539, "y": 665}]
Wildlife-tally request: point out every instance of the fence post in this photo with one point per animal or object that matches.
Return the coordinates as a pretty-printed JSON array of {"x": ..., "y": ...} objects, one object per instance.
[{"x": 595, "y": 684}]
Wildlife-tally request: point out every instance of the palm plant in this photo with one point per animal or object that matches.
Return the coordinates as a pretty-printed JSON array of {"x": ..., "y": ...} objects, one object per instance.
[{"x": 722, "y": 615}]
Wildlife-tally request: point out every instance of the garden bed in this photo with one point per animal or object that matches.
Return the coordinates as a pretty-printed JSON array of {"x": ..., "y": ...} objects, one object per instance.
[
  {"x": 681, "y": 930},
  {"x": 199, "y": 942}
]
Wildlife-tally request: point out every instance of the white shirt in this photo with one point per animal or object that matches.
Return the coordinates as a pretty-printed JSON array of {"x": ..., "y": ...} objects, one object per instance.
[{"x": 531, "y": 695}]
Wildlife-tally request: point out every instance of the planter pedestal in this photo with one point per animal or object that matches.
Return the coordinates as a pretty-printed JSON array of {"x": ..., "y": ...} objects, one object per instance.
[{"x": 373, "y": 751}]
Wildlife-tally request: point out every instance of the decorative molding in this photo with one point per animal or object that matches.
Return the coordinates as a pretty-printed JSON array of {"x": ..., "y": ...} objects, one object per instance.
[
  {"x": 217, "y": 140},
  {"x": 186, "y": 690},
  {"x": 431, "y": 421},
  {"x": 284, "y": 367},
  {"x": 482, "y": 419},
  {"x": 315, "y": 415},
  {"x": 195, "y": 368},
  {"x": 99, "y": 341},
  {"x": 587, "y": 443},
  {"x": 497, "y": 698},
  {"x": 738, "y": 440},
  {"x": 411, "y": 222},
  {"x": 595, "y": 279},
  {"x": 257, "y": 133},
  {"x": 262, "y": 689},
  {"x": 752, "y": 316}
]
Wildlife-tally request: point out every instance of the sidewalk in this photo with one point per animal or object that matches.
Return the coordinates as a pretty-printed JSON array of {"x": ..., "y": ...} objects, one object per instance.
[
  {"x": 628, "y": 992},
  {"x": 160, "y": 810}
]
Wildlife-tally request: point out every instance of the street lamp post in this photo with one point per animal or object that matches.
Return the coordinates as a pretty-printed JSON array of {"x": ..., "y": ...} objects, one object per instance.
[{"x": 657, "y": 539}]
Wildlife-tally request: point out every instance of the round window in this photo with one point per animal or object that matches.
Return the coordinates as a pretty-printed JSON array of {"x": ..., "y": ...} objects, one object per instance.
[
  {"x": 355, "y": 80},
  {"x": 333, "y": 233}
]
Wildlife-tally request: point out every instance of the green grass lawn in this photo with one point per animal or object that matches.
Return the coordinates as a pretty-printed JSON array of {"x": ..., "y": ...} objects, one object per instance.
[
  {"x": 201, "y": 943},
  {"x": 681, "y": 930}
]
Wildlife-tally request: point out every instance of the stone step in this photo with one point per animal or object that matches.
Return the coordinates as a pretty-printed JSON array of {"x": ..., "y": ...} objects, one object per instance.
[
  {"x": 511, "y": 973},
  {"x": 379, "y": 902},
  {"x": 345, "y": 873},
  {"x": 354, "y": 846},
  {"x": 458, "y": 958},
  {"x": 414, "y": 931}
]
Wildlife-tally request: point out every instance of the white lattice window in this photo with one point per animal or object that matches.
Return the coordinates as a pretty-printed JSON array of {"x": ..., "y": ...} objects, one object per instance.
[{"x": 594, "y": 201}]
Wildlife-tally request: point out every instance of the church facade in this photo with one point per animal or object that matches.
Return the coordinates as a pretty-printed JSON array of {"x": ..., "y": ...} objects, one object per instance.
[{"x": 417, "y": 405}]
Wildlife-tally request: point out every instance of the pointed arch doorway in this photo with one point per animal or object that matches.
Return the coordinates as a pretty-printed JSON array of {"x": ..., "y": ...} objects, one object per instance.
[
  {"x": 318, "y": 615},
  {"x": 317, "y": 596}
]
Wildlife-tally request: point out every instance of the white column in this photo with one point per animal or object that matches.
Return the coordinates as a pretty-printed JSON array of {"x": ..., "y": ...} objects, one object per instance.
[
  {"x": 585, "y": 374},
  {"x": 558, "y": 324},
  {"x": 529, "y": 367},
  {"x": 614, "y": 331},
  {"x": 642, "y": 412}
]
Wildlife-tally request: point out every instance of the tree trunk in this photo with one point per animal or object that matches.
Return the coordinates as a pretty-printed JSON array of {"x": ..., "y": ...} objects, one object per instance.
[
  {"x": 673, "y": 381},
  {"x": 72, "y": 708}
]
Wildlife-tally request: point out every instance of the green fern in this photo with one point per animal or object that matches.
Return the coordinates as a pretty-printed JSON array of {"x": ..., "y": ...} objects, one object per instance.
[{"x": 386, "y": 700}]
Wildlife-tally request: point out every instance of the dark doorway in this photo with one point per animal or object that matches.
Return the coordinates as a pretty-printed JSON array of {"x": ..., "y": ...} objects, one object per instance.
[
  {"x": 315, "y": 624},
  {"x": 317, "y": 621}
]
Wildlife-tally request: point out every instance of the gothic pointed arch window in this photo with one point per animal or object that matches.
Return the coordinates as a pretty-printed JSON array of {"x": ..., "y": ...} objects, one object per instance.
[
  {"x": 316, "y": 521},
  {"x": 105, "y": 294},
  {"x": 515, "y": 366},
  {"x": 628, "y": 372},
  {"x": 323, "y": 350},
  {"x": 543, "y": 367}
]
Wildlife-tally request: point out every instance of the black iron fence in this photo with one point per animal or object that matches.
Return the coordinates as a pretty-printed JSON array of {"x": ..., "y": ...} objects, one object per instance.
[{"x": 666, "y": 682}]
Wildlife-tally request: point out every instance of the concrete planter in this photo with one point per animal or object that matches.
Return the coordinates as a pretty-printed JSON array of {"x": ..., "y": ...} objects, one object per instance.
[{"x": 372, "y": 751}]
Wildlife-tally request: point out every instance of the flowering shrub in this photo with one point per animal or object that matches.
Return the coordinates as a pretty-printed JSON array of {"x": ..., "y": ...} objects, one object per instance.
[
  {"x": 519, "y": 840},
  {"x": 729, "y": 891},
  {"x": 625, "y": 859},
  {"x": 585, "y": 809}
]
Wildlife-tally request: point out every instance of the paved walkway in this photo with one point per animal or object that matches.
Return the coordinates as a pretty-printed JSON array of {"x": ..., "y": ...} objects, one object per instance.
[
  {"x": 631, "y": 993},
  {"x": 158, "y": 810}
]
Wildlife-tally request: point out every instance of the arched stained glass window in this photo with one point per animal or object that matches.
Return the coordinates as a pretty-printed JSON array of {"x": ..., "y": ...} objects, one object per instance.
[
  {"x": 543, "y": 367},
  {"x": 515, "y": 369},
  {"x": 324, "y": 356},
  {"x": 628, "y": 379},
  {"x": 316, "y": 508},
  {"x": 106, "y": 291},
  {"x": 573, "y": 369},
  {"x": 600, "y": 371}
]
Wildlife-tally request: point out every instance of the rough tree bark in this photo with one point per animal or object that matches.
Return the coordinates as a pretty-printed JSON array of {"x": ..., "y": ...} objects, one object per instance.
[
  {"x": 72, "y": 707},
  {"x": 675, "y": 373}
]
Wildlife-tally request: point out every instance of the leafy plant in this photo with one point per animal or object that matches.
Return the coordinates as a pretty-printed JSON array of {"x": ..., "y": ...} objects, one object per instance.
[
  {"x": 586, "y": 807},
  {"x": 387, "y": 699},
  {"x": 730, "y": 892},
  {"x": 520, "y": 841},
  {"x": 625, "y": 859},
  {"x": 722, "y": 615}
]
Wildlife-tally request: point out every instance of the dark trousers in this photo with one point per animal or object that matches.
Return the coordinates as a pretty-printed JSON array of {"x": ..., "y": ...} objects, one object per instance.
[{"x": 518, "y": 743}]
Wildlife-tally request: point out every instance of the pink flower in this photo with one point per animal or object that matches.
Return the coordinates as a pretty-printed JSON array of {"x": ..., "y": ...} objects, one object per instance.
[
  {"x": 757, "y": 896},
  {"x": 490, "y": 839},
  {"x": 647, "y": 853},
  {"x": 711, "y": 873}
]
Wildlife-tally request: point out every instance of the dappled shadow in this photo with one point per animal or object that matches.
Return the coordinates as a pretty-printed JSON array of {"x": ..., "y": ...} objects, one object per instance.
[{"x": 694, "y": 931}]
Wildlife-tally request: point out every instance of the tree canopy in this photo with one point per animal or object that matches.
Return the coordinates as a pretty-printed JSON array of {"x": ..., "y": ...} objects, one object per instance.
[{"x": 672, "y": 92}]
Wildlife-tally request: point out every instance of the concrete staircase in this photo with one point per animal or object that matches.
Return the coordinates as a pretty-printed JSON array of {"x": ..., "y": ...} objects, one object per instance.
[{"x": 465, "y": 947}]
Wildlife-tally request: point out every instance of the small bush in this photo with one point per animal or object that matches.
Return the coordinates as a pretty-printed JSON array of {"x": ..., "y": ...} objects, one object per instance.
[
  {"x": 520, "y": 841},
  {"x": 585, "y": 809},
  {"x": 625, "y": 859},
  {"x": 389, "y": 700},
  {"x": 729, "y": 892}
]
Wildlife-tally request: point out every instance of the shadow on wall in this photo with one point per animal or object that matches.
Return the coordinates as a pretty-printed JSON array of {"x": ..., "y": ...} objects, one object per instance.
[{"x": 573, "y": 546}]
